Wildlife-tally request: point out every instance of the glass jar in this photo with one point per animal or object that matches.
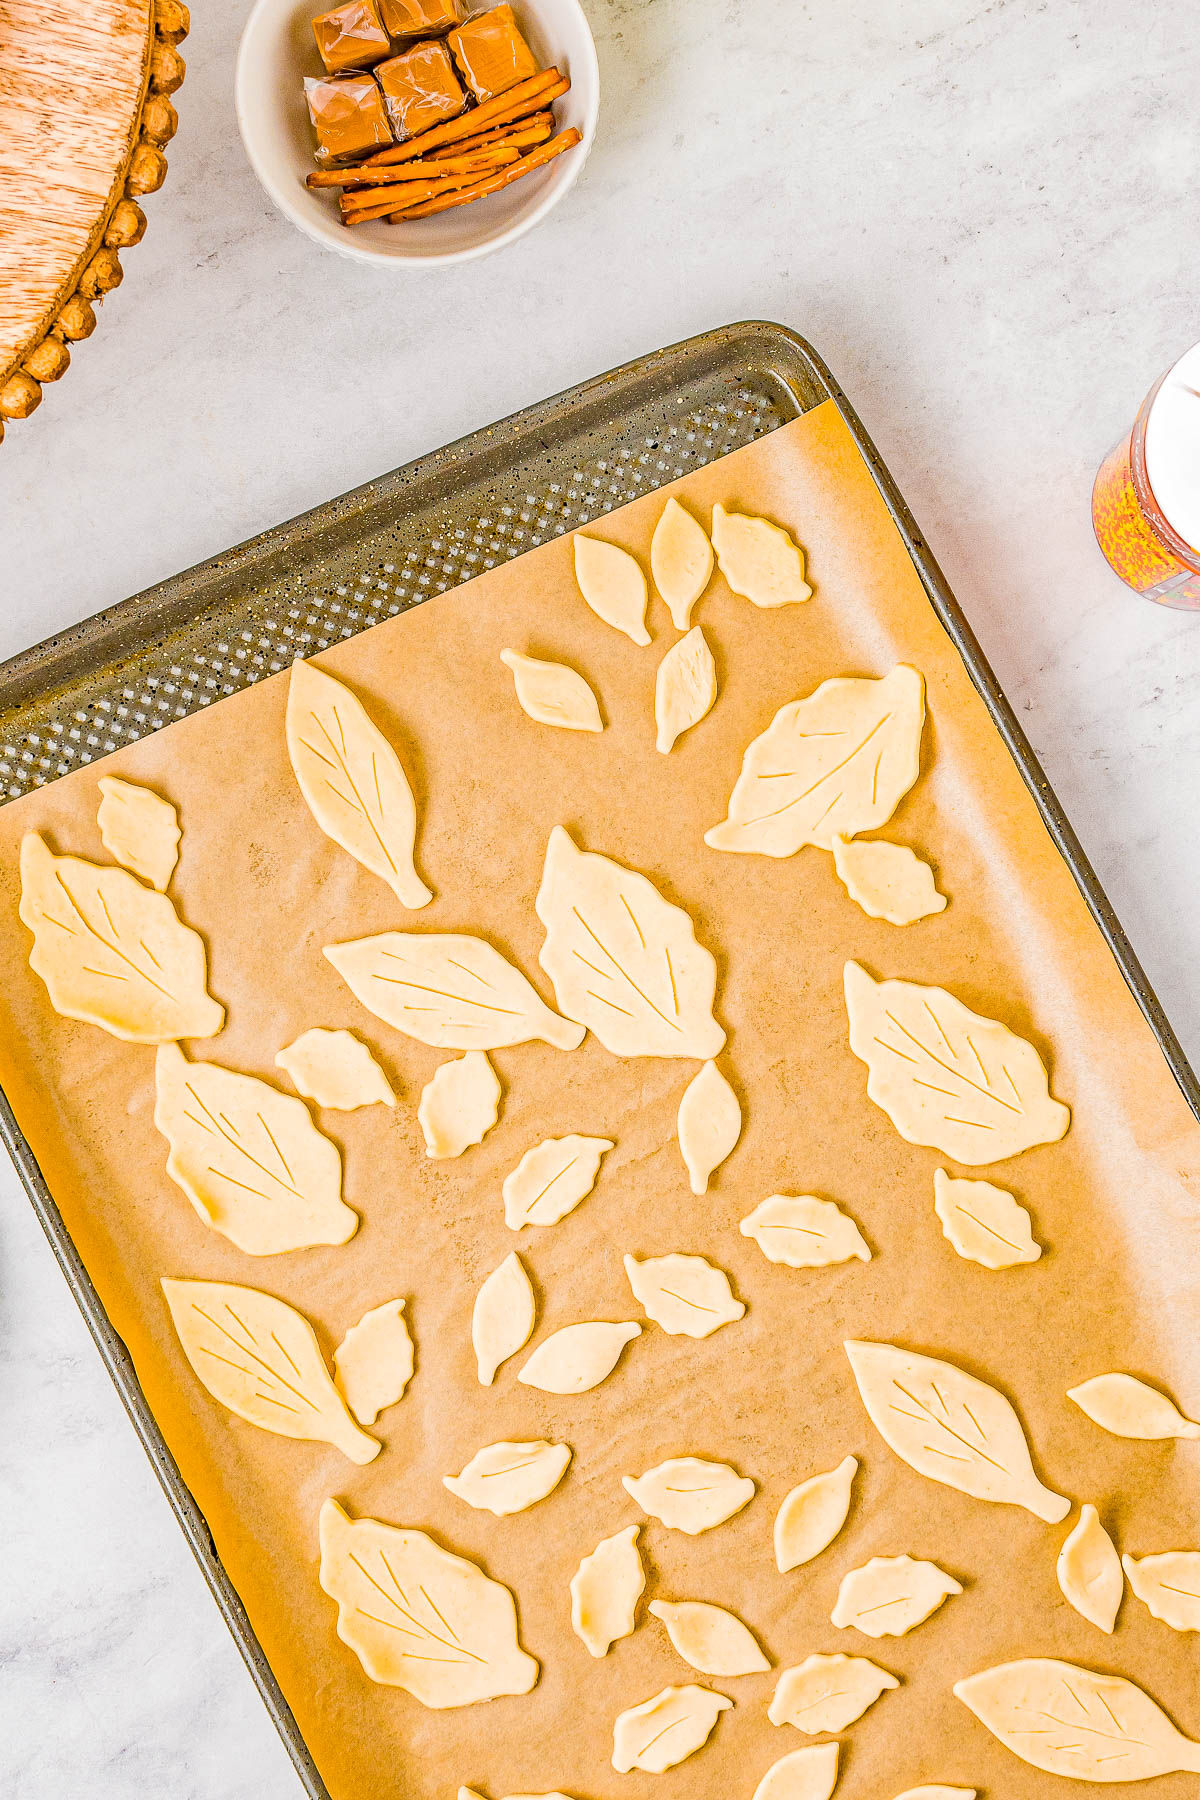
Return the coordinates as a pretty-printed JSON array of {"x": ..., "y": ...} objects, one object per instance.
[{"x": 1146, "y": 500}]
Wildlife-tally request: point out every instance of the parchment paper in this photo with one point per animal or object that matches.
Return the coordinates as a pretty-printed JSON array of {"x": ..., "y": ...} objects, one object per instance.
[{"x": 1115, "y": 1202}]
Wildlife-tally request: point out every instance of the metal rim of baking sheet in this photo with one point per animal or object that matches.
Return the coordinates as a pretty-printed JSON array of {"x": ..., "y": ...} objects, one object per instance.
[{"x": 118, "y": 646}]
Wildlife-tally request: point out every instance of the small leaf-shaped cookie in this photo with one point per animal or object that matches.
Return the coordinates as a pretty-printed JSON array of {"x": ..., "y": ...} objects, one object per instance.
[
  {"x": 804, "y": 1232},
  {"x": 605, "y": 1590},
  {"x": 578, "y": 1358},
  {"x": 1130, "y": 1408},
  {"x": 1089, "y": 1571},
  {"x": 665, "y": 1729},
  {"x": 506, "y": 1478},
  {"x": 335, "y": 1069},
  {"x": 812, "y": 1515},
  {"x": 551, "y": 1179},
  {"x": 760, "y": 561},
  {"x": 827, "y": 1693},
  {"x": 951, "y": 1427},
  {"x": 1169, "y": 1585},
  {"x": 140, "y": 829},
  {"x": 112, "y": 951},
  {"x": 1073, "y": 1721},
  {"x": 261, "y": 1359},
  {"x": 689, "y": 1494},
  {"x": 681, "y": 561},
  {"x": 612, "y": 583},
  {"x": 353, "y": 780},
  {"x": 891, "y": 1595},
  {"x": 553, "y": 694},
  {"x": 708, "y": 1125},
  {"x": 686, "y": 1295},
  {"x": 459, "y": 1106},
  {"x": 946, "y": 1076},
  {"x": 684, "y": 688},
  {"x": 713, "y": 1641},
  {"x": 504, "y": 1317},
  {"x": 417, "y": 1616},
  {"x": 374, "y": 1361},
  {"x": 624, "y": 961},
  {"x": 808, "y": 1774},
  {"x": 887, "y": 880},
  {"x": 984, "y": 1223}
]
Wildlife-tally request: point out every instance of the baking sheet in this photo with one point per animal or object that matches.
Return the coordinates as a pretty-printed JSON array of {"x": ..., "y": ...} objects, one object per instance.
[{"x": 1114, "y": 1201}]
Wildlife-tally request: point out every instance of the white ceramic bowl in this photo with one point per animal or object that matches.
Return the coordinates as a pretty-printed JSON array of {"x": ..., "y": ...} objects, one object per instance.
[{"x": 276, "y": 53}]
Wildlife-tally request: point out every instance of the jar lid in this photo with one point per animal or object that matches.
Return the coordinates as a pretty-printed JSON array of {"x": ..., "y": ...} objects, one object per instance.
[{"x": 1173, "y": 447}]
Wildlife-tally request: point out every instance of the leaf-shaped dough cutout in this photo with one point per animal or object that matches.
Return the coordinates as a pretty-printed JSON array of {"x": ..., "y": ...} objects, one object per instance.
[
  {"x": 249, "y": 1158},
  {"x": 417, "y": 1616},
  {"x": 374, "y": 1361},
  {"x": 578, "y": 1358},
  {"x": 624, "y": 961},
  {"x": 813, "y": 1514},
  {"x": 760, "y": 561},
  {"x": 112, "y": 951},
  {"x": 459, "y": 1106},
  {"x": 686, "y": 1295},
  {"x": 552, "y": 693},
  {"x": 261, "y": 1359},
  {"x": 665, "y": 1729},
  {"x": 937, "y": 1791},
  {"x": 1073, "y": 1721},
  {"x": 1089, "y": 1571},
  {"x": 448, "y": 990},
  {"x": 684, "y": 688},
  {"x": 140, "y": 829},
  {"x": 506, "y": 1478},
  {"x": 504, "y": 1317},
  {"x": 551, "y": 1179},
  {"x": 888, "y": 881},
  {"x": 803, "y": 1232},
  {"x": 712, "y": 1640},
  {"x": 808, "y": 1774},
  {"x": 951, "y": 1427},
  {"x": 832, "y": 765},
  {"x": 1130, "y": 1408},
  {"x": 335, "y": 1069},
  {"x": 891, "y": 1595},
  {"x": 946, "y": 1076},
  {"x": 827, "y": 1693},
  {"x": 689, "y": 1494},
  {"x": 708, "y": 1126},
  {"x": 984, "y": 1223},
  {"x": 681, "y": 561},
  {"x": 352, "y": 780},
  {"x": 605, "y": 1590},
  {"x": 612, "y": 583},
  {"x": 1169, "y": 1584}
]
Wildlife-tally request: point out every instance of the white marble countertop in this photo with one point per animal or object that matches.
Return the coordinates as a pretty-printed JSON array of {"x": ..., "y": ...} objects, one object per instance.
[{"x": 981, "y": 212}]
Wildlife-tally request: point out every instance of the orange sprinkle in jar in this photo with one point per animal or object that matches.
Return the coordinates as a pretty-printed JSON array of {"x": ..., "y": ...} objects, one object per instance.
[{"x": 1146, "y": 501}]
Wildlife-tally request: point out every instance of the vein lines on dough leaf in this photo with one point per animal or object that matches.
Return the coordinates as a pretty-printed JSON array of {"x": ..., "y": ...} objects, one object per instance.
[
  {"x": 604, "y": 1001},
  {"x": 686, "y": 1302},
  {"x": 274, "y": 1145},
  {"x": 925, "y": 1415},
  {"x": 954, "y": 1074},
  {"x": 246, "y": 1350},
  {"x": 984, "y": 1226},
  {"x": 341, "y": 756},
  {"x": 650, "y": 1742},
  {"x": 633, "y": 921},
  {"x": 114, "y": 948},
  {"x": 441, "y": 993},
  {"x": 1084, "y": 1725},
  {"x": 827, "y": 775},
  {"x": 565, "y": 1170},
  {"x": 220, "y": 1126},
  {"x": 285, "y": 1354},
  {"x": 937, "y": 1025},
  {"x": 1169, "y": 1589},
  {"x": 820, "y": 1700},
  {"x": 862, "y": 1612},
  {"x": 108, "y": 974},
  {"x": 425, "y": 1631},
  {"x": 621, "y": 971},
  {"x": 473, "y": 973},
  {"x": 508, "y": 1469}
]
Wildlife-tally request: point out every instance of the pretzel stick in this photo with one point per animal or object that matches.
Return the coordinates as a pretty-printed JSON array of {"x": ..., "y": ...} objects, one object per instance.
[
  {"x": 480, "y": 163},
  {"x": 515, "y": 103},
  {"x": 566, "y": 140},
  {"x": 521, "y": 134},
  {"x": 377, "y": 201}
]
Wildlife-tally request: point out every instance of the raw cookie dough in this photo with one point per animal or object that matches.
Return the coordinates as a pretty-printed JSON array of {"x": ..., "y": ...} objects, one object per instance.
[
  {"x": 624, "y": 962},
  {"x": 985, "y": 1224},
  {"x": 1129, "y": 1408},
  {"x": 684, "y": 689},
  {"x": 808, "y": 1774},
  {"x": 449, "y": 990},
  {"x": 664, "y": 1730},
  {"x": 553, "y": 694},
  {"x": 708, "y": 1125},
  {"x": 605, "y": 1590},
  {"x": 612, "y": 583},
  {"x": 951, "y": 1427},
  {"x": 249, "y": 1158},
  {"x": 712, "y": 1640},
  {"x": 827, "y": 1693},
  {"x": 889, "y": 881},
  {"x": 261, "y": 1359},
  {"x": 504, "y": 1317},
  {"x": 417, "y": 1616},
  {"x": 577, "y": 1358},
  {"x": 459, "y": 1106},
  {"x": 1089, "y": 1571},
  {"x": 140, "y": 829},
  {"x": 686, "y": 1295},
  {"x": 760, "y": 561},
  {"x": 946, "y": 1076},
  {"x": 113, "y": 952},
  {"x": 804, "y": 1232},
  {"x": 812, "y": 1515},
  {"x": 1072, "y": 1721},
  {"x": 507, "y": 1478},
  {"x": 832, "y": 765},
  {"x": 681, "y": 561},
  {"x": 891, "y": 1595},
  {"x": 551, "y": 1179},
  {"x": 689, "y": 1494},
  {"x": 335, "y": 1069},
  {"x": 1169, "y": 1584},
  {"x": 374, "y": 1361},
  {"x": 353, "y": 780}
]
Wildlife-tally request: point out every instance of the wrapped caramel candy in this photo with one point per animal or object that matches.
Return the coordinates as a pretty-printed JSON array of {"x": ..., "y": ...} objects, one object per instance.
[
  {"x": 420, "y": 88},
  {"x": 491, "y": 53},
  {"x": 351, "y": 37},
  {"x": 408, "y": 19},
  {"x": 348, "y": 116}
]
